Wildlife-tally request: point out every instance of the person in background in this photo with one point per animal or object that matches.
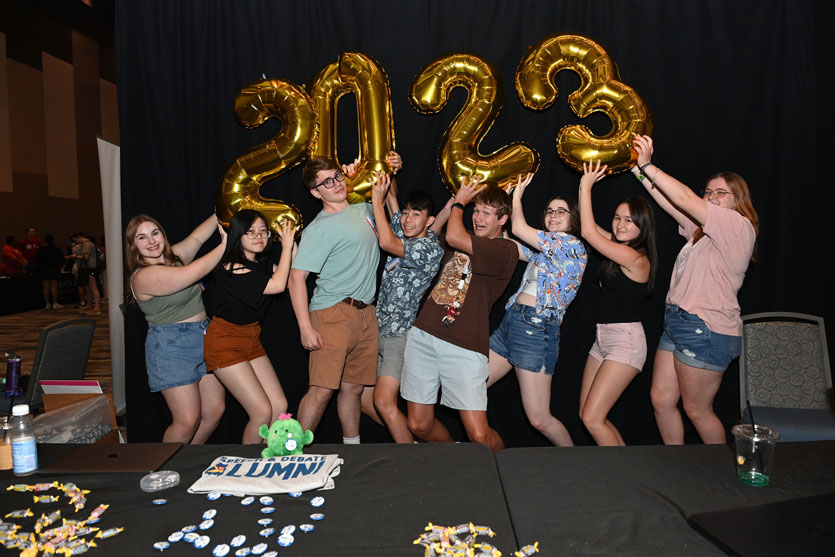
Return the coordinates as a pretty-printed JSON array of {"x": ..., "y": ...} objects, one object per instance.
[
  {"x": 528, "y": 339},
  {"x": 12, "y": 260},
  {"x": 48, "y": 261},
  {"x": 87, "y": 260},
  {"x": 246, "y": 281},
  {"x": 702, "y": 325},
  {"x": 28, "y": 246},
  {"x": 164, "y": 281},
  {"x": 626, "y": 277}
]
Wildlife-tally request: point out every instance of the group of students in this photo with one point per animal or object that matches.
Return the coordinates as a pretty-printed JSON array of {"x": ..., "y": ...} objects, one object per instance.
[{"x": 371, "y": 356}]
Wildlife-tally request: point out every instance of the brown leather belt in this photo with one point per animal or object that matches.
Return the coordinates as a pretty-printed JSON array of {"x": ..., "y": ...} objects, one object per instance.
[{"x": 356, "y": 303}]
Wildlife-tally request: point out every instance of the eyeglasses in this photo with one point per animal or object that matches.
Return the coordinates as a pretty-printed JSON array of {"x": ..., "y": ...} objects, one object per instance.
[
  {"x": 718, "y": 193},
  {"x": 558, "y": 211},
  {"x": 330, "y": 182},
  {"x": 252, "y": 234}
]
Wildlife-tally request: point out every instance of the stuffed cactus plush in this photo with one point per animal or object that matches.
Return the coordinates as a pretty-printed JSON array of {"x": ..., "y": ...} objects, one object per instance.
[{"x": 284, "y": 437}]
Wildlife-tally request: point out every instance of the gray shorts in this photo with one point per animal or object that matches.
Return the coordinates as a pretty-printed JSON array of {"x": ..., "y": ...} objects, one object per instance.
[
  {"x": 432, "y": 363},
  {"x": 390, "y": 355}
]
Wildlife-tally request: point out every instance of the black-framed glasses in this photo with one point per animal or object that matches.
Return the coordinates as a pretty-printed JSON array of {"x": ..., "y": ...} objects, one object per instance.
[
  {"x": 252, "y": 234},
  {"x": 559, "y": 211},
  {"x": 718, "y": 193},
  {"x": 330, "y": 182}
]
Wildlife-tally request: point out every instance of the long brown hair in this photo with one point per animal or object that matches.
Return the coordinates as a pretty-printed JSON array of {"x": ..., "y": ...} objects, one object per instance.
[
  {"x": 742, "y": 205},
  {"x": 133, "y": 259}
]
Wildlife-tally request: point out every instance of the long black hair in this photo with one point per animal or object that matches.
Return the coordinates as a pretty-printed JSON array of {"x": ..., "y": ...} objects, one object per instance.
[
  {"x": 644, "y": 242},
  {"x": 238, "y": 226}
]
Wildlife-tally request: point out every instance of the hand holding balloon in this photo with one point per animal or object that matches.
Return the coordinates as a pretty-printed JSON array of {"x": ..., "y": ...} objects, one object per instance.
[
  {"x": 349, "y": 170},
  {"x": 394, "y": 161},
  {"x": 643, "y": 146},
  {"x": 380, "y": 186},
  {"x": 592, "y": 173},
  {"x": 468, "y": 190},
  {"x": 287, "y": 234},
  {"x": 522, "y": 182}
]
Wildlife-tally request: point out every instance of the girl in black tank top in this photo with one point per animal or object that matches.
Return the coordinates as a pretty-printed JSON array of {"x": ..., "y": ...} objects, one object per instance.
[{"x": 626, "y": 276}]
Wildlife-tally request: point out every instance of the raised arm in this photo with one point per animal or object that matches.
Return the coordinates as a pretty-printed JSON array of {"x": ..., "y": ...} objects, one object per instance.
[
  {"x": 442, "y": 217},
  {"x": 521, "y": 228},
  {"x": 396, "y": 163},
  {"x": 278, "y": 282},
  {"x": 456, "y": 235},
  {"x": 635, "y": 264},
  {"x": 379, "y": 192},
  {"x": 162, "y": 280},
  {"x": 675, "y": 198},
  {"x": 188, "y": 247},
  {"x": 297, "y": 285}
]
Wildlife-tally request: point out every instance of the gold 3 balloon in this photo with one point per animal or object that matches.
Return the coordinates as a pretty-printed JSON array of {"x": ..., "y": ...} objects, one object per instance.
[{"x": 309, "y": 122}]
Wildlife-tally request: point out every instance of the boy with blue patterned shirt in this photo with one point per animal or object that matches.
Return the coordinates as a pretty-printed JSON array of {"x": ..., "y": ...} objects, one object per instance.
[{"x": 415, "y": 257}]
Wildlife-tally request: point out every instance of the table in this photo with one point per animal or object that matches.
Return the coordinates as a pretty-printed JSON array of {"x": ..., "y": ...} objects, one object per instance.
[
  {"x": 384, "y": 497},
  {"x": 636, "y": 500}
]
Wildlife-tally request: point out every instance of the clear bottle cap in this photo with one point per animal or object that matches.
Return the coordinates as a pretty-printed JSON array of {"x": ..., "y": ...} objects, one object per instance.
[
  {"x": 20, "y": 410},
  {"x": 157, "y": 481}
]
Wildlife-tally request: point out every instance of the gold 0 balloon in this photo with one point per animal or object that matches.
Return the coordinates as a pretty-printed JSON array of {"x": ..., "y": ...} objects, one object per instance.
[
  {"x": 358, "y": 74},
  {"x": 271, "y": 98},
  {"x": 600, "y": 91},
  {"x": 459, "y": 157}
]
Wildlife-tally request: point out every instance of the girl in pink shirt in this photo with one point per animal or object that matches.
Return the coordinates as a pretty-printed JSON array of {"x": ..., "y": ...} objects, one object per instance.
[{"x": 702, "y": 325}]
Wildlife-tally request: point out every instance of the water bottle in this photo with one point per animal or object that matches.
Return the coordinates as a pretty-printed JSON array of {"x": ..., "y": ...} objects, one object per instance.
[{"x": 24, "y": 448}]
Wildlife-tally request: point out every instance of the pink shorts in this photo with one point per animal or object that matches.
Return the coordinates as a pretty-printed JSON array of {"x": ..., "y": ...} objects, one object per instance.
[{"x": 620, "y": 342}]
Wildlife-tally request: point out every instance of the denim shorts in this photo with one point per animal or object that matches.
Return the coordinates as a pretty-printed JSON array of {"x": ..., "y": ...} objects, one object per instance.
[
  {"x": 686, "y": 335},
  {"x": 527, "y": 340},
  {"x": 431, "y": 363},
  {"x": 174, "y": 354}
]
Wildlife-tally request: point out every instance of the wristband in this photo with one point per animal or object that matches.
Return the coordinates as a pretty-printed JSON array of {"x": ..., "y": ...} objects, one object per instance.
[
  {"x": 459, "y": 205},
  {"x": 643, "y": 168},
  {"x": 640, "y": 177}
]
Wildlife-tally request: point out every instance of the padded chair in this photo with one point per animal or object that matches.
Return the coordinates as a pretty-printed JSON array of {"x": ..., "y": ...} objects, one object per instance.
[
  {"x": 784, "y": 372},
  {"x": 62, "y": 353}
]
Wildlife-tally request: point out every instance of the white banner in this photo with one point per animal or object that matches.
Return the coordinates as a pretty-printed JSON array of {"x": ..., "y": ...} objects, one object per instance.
[{"x": 111, "y": 198}]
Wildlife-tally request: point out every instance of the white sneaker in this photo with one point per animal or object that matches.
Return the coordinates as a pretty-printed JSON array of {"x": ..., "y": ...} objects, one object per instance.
[
  {"x": 56, "y": 305},
  {"x": 48, "y": 306}
]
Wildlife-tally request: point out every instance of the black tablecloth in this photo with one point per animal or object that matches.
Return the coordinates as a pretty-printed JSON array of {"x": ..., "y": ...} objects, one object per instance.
[
  {"x": 636, "y": 500},
  {"x": 384, "y": 497}
]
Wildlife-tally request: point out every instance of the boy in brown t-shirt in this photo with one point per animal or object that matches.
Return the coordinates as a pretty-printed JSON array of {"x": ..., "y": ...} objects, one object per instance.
[{"x": 449, "y": 342}]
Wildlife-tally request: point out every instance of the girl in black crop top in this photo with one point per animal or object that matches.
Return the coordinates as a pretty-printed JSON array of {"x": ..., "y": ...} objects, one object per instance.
[
  {"x": 233, "y": 350},
  {"x": 626, "y": 277}
]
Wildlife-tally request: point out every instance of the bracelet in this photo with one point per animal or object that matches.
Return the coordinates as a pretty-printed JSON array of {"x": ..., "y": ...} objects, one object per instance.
[
  {"x": 459, "y": 205},
  {"x": 652, "y": 178},
  {"x": 643, "y": 168},
  {"x": 640, "y": 177}
]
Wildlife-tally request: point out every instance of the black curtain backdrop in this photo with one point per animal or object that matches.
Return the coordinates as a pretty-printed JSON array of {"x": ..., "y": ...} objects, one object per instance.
[{"x": 737, "y": 86}]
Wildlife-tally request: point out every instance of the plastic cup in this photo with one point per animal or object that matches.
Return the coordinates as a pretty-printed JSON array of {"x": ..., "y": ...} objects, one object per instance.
[{"x": 754, "y": 453}]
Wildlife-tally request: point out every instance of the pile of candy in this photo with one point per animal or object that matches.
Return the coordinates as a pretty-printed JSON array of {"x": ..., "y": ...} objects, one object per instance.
[
  {"x": 198, "y": 534},
  {"x": 68, "y": 538},
  {"x": 460, "y": 541}
]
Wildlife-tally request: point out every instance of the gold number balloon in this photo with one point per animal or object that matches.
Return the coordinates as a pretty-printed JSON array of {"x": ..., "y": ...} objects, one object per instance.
[
  {"x": 358, "y": 74},
  {"x": 254, "y": 105},
  {"x": 458, "y": 157},
  {"x": 600, "y": 91}
]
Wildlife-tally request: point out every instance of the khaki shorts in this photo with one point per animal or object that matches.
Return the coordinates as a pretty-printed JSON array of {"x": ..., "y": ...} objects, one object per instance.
[
  {"x": 349, "y": 353},
  {"x": 227, "y": 344}
]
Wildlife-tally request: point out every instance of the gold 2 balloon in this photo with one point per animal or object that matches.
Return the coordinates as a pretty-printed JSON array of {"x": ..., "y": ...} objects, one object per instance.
[
  {"x": 459, "y": 157},
  {"x": 600, "y": 91},
  {"x": 254, "y": 104},
  {"x": 358, "y": 74}
]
